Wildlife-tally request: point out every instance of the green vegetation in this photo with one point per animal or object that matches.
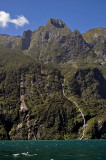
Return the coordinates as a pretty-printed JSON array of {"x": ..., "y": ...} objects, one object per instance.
[{"x": 34, "y": 70}]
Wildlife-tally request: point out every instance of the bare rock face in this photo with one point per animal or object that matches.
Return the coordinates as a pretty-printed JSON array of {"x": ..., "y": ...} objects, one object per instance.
[
  {"x": 73, "y": 47},
  {"x": 56, "y": 22},
  {"x": 55, "y": 43},
  {"x": 96, "y": 37},
  {"x": 13, "y": 42},
  {"x": 26, "y": 39}
]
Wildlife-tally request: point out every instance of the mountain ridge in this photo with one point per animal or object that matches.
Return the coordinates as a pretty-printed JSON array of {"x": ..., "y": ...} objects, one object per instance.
[{"x": 45, "y": 40}]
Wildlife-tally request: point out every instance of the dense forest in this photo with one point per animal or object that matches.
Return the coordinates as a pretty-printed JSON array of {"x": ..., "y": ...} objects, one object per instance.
[{"x": 53, "y": 84}]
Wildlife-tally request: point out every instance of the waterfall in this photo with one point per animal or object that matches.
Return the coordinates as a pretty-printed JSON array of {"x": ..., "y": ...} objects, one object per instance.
[
  {"x": 63, "y": 88},
  {"x": 23, "y": 106},
  {"x": 79, "y": 111},
  {"x": 83, "y": 120}
]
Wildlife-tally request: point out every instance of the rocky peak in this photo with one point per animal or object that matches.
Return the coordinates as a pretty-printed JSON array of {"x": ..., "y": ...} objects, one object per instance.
[
  {"x": 27, "y": 33},
  {"x": 76, "y": 32},
  {"x": 56, "y": 22}
]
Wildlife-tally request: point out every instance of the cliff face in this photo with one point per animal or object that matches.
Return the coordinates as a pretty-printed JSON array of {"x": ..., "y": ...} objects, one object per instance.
[
  {"x": 32, "y": 103},
  {"x": 10, "y": 41},
  {"x": 55, "y": 43},
  {"x": 89, "y": 81},
  {"x": 87, "y": 87},
  {"x": 97, "y": 39},
  {"x": 53, "y": 84},
  {"x": 26, "y": 39},
  {"x": 44, "y": 43}
]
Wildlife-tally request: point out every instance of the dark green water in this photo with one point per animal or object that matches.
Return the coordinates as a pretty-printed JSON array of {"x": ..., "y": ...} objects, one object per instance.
[{"x": 53, "y": 150}]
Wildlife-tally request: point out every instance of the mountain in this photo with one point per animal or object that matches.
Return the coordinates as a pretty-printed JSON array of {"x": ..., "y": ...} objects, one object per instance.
[
  {"x": 10, "y": 41},
  {"x": 44, "y": 42},
  {"x": 31, "y": 100},
  {"x": 53, "y": 84},
  {"x": 97, "y": 39},
  {"x": 55, "y": 43}
]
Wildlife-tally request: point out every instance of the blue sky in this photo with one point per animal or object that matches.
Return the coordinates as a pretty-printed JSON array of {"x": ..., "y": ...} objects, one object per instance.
[{"x": 77, "y": 14}]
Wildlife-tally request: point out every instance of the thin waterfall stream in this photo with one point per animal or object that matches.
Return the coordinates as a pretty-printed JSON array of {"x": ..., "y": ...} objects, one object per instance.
[
  {"x": 83, "y": 120},
  {"x": 79, "y": 111}
]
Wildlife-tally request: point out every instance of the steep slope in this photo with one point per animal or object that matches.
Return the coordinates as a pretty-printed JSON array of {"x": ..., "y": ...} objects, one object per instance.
[
  {"x": 32, "y": 105},
  {"x": 74, "y": 48},
  {"x": 87, "y": 88},
  {"x": 97, "y": 39},
  {"x": 53, "y": 84},
  {"x": 55, "y": 43},
  {"x": 13, "y": 42},
  {"x": 44, "y": 41}
]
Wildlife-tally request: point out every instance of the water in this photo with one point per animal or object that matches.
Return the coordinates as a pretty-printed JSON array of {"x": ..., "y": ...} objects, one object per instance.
[{"x": 53, "y": 150}]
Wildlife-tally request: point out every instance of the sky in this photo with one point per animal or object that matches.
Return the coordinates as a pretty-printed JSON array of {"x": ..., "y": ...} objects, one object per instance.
[{"x": 16, "y": 16}]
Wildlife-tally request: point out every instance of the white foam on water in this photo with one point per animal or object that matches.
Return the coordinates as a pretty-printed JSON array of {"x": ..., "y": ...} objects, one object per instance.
[
  {"x": 16, "y": 155},
  {"x": 35, "y": 154},
  {"x": 26, "y": 154}
]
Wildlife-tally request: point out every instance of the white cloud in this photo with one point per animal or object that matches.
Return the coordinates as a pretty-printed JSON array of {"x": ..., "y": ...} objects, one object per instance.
[
  {"x": 5, "y": 19},
  {"x": 20, "y": 21}
]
